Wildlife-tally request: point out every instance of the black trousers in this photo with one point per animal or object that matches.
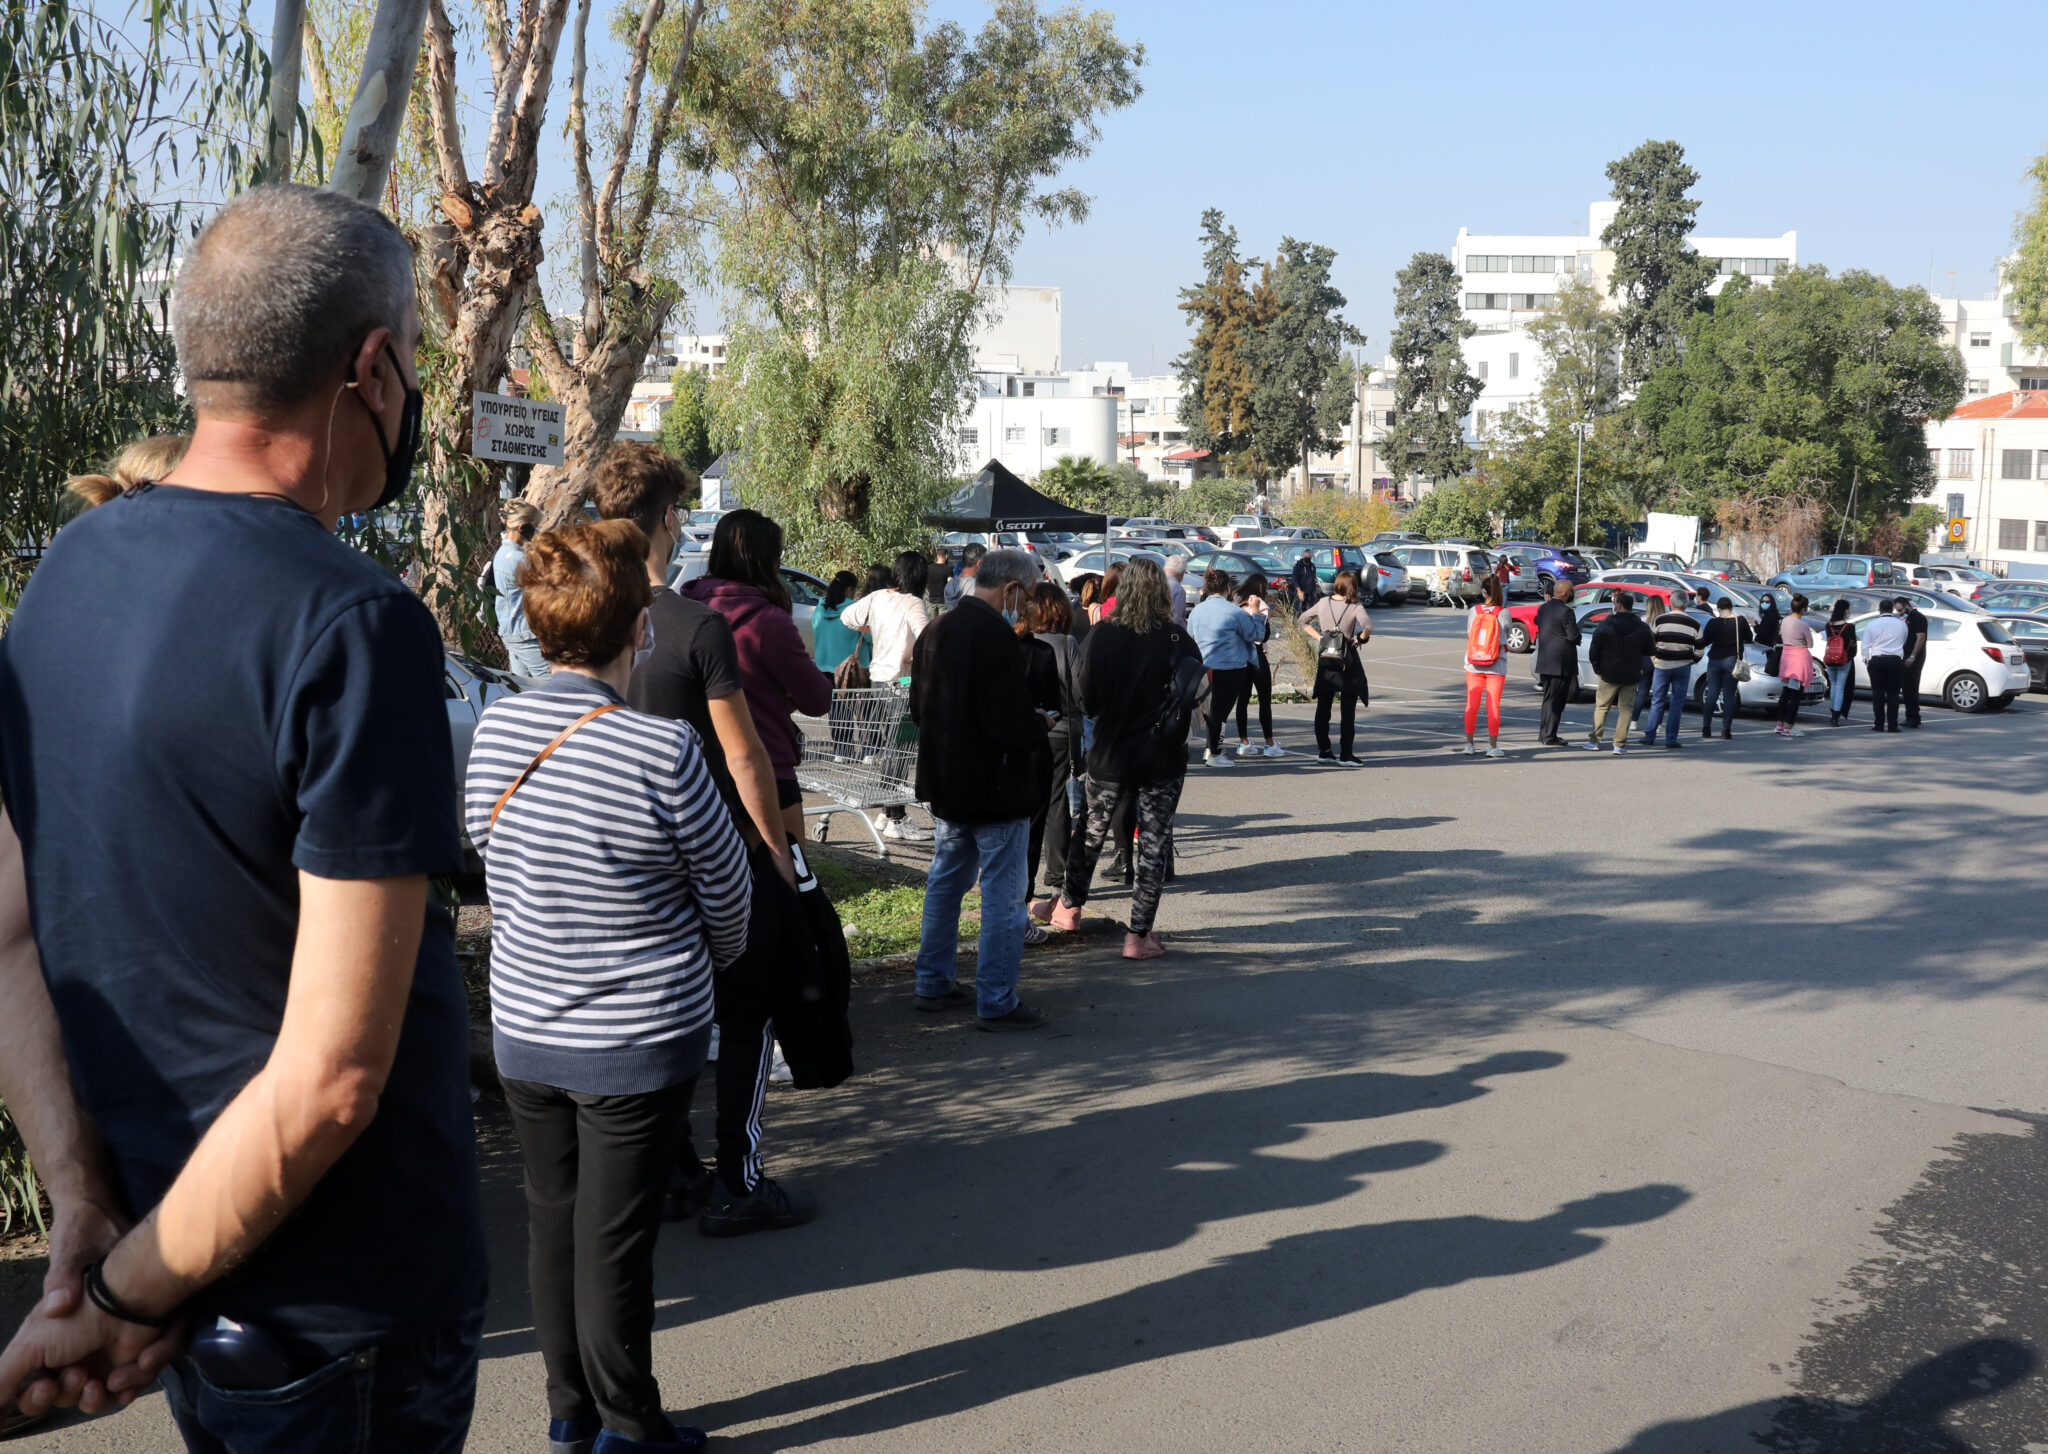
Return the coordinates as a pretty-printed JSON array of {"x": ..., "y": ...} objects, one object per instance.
[
  {"x": 746, "y": 1053},
  {"x": 1886, "y": 674},
  {"x": 1261, "y": 682},
  {"x": 1345, "y": 684},
  {"x": 1909, "y": 691},
  {"x": 1227, "y": 685},
  {"x": 1053, "y": 821},
  {"x": 1557, "y": 695},
  {"x": 1788, "y": 702},
  {"x": 595, "y": 1169}
]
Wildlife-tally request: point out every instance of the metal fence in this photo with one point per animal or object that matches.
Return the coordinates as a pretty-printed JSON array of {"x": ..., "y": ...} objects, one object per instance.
[{"x": 862, "y": 754}]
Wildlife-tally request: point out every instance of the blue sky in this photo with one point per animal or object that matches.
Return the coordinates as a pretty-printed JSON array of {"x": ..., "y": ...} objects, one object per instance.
[{"x": 1891, "y": 138}]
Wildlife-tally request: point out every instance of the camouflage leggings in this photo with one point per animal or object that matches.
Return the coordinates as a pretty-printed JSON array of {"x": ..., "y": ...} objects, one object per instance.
[{"x": 1156, "y": 804}]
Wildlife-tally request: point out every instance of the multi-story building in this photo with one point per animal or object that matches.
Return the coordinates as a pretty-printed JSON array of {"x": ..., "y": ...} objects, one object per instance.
[
  {"x": 1991, "y": 468},
  {"x": 1982, "y": 333},
  {"x": 1510, "y": 279}
]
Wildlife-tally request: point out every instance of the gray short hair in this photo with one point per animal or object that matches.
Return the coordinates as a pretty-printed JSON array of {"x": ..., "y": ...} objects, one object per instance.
[
  {"x": 1001, "y": 567},
  {"x": 1176, "y": 565},
  {"x": 282, "y": 285}
]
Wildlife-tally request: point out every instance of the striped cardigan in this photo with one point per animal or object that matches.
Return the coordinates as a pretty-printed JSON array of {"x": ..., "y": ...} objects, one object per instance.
[{"x": 616, "y": 880}]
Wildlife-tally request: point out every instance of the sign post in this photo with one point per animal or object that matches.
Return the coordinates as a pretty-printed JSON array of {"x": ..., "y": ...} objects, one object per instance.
[
  {"x": 515, "y": 431},
  {"x": 1958, "y": 530}
]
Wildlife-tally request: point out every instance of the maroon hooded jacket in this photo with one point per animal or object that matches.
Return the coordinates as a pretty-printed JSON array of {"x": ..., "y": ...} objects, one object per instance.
[{"x": 776, "y": 672}]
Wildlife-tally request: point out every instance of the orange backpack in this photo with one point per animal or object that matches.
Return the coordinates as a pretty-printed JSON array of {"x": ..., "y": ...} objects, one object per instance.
[{"x": 1482, "y": 637}]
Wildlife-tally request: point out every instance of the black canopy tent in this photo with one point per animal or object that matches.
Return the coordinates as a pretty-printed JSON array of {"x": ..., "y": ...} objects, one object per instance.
[{"x": 995, "y": 499}]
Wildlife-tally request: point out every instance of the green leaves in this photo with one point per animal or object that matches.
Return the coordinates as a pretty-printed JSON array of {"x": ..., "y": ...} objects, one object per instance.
[
  {"x": 1660, "y": 280},
  {"x": 2027, "y": 272},
  {"x": 1433, "y": 388}
]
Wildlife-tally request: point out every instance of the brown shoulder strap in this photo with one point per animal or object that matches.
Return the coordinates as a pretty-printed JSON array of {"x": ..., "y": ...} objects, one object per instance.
[{"x": 545, "y": 753}]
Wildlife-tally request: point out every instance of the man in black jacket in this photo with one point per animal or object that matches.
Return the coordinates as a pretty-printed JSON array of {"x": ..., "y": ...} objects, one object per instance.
[
  {"x": 1619, "y": 647},
  {"x": 979, "y": 737},
  {"x": 1557, "y": 659}
]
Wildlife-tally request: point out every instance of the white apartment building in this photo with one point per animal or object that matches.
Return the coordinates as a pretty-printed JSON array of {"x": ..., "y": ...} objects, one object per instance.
[
  {"x": 1510, "y": 279},
  {"x": 1981, "y": 332},
  {"x": 1029, "y": 421},
  {"x": 1991, "y": 468}
]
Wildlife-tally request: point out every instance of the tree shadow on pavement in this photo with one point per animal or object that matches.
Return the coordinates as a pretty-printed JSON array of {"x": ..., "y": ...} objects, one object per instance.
[
  {"x": 1907, "y": 1418},
  {"x": 1293, "y": 1282}
]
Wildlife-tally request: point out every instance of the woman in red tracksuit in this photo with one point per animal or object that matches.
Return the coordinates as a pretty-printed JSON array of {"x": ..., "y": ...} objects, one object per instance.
[{"x": 1486, "y": 669}]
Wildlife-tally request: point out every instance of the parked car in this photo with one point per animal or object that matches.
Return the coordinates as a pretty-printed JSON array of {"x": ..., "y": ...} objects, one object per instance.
[
  {"x": 1519, "y": 634},
  {"x": 2008, "y": 596},
  {"x": 1539, "y": 567},
  {"x": 1723, "y": 568},
  {"x": 1759, "y": 694},
  {"x": 1599, "y": 557},
  {"x": 1090, "y": 562},
  {"x": 468, "y": 687},
  {"x": 2031, "y": 634},
  {"x": 991, "y": 539},
  {"x": 1973, "y": 663},
  {"x": 1655, "y": 560},
  {"x": 1397, "y": 537},
  {"x": 1238, "y": 563},
  {"x": 1379, "y": 574},
  {"x": 1243, "y": 527},
  {"x": 1836, "y": 570},
  {"x": 1443, "y": 569},
  {"x": 1822, "y": 601},
  {"x": 1297, "y": 532}
]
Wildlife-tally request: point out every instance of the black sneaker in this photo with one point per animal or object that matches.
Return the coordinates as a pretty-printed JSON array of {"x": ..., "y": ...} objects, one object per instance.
[
  {"x": 1021, "y": 1018},
  {"x": 951, "y": 999},
  {"x": 768, "y": 1207},
  {"x": 1326, "y": 756},
  {"x": 688, "y": 1192},
  {"x": 1352, "y": 761}
]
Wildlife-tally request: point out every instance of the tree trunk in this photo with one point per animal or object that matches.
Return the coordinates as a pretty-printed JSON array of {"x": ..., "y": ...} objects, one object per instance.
[
  {"x": 370, "y": 134},
  {"x": 594, "y": 392},
  {"x": 287, "y": 33}
]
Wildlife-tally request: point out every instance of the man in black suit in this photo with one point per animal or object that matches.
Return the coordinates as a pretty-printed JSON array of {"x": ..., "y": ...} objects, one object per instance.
[{"x": 1557, "y": 658}]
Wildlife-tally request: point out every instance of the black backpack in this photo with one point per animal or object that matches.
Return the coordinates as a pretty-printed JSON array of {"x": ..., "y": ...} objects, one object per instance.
[{"x": 1184, "y": 683}]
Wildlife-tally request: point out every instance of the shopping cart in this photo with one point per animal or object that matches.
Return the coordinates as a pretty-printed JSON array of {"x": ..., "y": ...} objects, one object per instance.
[{"x": 862, "y": 754}]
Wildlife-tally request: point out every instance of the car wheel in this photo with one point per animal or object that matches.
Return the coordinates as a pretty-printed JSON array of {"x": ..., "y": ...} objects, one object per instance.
[
  {"x": 1998, "y": 704},
  {"x": 1517, "y": 639},
  {"x": 1545, "y": 584},
  {"x": 1965, "y": 692}
]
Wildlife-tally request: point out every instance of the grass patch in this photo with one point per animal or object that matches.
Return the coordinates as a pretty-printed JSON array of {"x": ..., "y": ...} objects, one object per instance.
[{"x": 882, "y": 911}]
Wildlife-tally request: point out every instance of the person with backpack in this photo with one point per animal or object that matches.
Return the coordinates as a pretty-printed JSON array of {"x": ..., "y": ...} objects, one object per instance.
[
  {"x": 1677, "y": 638},
  {"x": 1140, "y": 676},
  {"x": 1486, "y": 668},
  {"x": 1338, "y": 626},
  {"x": 1229, "y": 637},
  {"x": 1619, "y": 646},
  {"x": 1839, "y": 653}
]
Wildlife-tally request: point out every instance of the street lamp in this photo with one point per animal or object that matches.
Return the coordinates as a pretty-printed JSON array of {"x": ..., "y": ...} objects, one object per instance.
[{"x": 1580, "y": 429}]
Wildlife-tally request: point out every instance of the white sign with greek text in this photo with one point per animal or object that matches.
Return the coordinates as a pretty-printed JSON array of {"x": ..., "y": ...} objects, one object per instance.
[{"x": 517, "y": 431}]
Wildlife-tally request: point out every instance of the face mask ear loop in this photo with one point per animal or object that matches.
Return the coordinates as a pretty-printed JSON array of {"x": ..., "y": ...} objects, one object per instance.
[{"x": 327, "y": 460}]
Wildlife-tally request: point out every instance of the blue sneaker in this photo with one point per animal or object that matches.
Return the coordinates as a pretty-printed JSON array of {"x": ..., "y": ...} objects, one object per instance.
[
  {"x": 573, "y": 1436},
  {"x": 685, "y": 1441}
]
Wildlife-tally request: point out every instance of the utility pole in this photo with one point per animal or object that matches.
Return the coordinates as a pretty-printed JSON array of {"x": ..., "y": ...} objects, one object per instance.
[
  {"x": 1579, "y": 431},
  {"x": 1855, "y": 476}
]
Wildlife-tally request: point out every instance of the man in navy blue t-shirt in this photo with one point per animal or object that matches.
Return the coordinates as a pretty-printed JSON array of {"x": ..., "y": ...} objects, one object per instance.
[{"x": 227, "y": 776}]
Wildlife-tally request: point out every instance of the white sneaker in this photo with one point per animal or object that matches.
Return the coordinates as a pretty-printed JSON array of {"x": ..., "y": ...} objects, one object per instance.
[
  {"x": 1468, "y": 750},
  {"x": 1274, "y": 749},
  {"x": 1216, "y": 759},
  {"x": 1495, "y": 752},
  {"x": 778, "y": 1068},
  {"x": 902, "y": 830},
  {"x": 1245, "y": 749}
]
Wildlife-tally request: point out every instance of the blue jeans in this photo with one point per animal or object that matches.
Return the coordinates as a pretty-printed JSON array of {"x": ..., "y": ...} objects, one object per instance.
[
  {"x": 524, "y": 656},
  {"x": 1721, "y": 688},
  {"x": 1667, "y": 695},
  {"x": 409, "y": 1394},
  {"x": 959, "y": 850}
]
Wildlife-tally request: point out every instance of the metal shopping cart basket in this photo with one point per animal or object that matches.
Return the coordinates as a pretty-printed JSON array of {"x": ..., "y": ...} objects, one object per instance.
[{"x": 862, "y": 754}]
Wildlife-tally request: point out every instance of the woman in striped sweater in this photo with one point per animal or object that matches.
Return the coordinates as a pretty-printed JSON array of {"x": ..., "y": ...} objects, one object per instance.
[{"x": 617, "y": 883}]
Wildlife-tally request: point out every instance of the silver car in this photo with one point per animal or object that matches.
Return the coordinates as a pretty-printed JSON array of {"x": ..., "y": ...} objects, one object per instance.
[{"x": 1759, "y": 694}]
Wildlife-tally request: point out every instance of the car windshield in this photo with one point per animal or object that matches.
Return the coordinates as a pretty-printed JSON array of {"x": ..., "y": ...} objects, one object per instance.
[
  {"x": 1995, "y": 631},
  {"x": 1971, "y": 573},
  {"x": 1880, "y": 567}
]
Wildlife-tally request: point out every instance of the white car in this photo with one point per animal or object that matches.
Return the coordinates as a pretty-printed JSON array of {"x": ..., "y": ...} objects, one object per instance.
[
  {"x": 1297, "y": 532},
  {"x": 1089, "y": 562},
  {"x": 1973, "y": 664},
  {"x": 1445, "y": 570},
  {"x": 1245, "y": 527}
]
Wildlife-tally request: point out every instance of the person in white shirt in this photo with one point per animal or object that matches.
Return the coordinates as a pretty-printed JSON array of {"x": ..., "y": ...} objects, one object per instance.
[
  {"x": 894, "y": 619},
  {"x": 1176, "y": 568},
  {"x": 1884, "y": 655}
]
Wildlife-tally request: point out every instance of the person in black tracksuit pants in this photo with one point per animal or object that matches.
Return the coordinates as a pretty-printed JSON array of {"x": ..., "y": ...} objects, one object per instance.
[
  {"x": 1557, "y": 660},
  {"x": 1915, "y": 659}
]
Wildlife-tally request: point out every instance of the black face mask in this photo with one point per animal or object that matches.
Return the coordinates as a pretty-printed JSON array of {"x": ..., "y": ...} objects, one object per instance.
[{"x": 398, "y": 458}]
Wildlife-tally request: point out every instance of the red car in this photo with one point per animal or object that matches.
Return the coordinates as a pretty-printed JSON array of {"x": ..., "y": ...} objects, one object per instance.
[{"x": 1521, "y": 628}]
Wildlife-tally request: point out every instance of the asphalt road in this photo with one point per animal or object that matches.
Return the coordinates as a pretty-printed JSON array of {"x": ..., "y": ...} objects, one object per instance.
[{"x": 1675, "y": 1103}]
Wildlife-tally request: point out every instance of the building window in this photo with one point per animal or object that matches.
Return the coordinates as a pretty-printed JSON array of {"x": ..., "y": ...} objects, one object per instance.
[
  {"x": 1058, "y": 436},
  {"x": 2012, "y": 535},
  {"x": 970, "y": 438},
  {"x": 1482, "y": 371},
  {"x": 1535, "y": 300},
  {"x": 1585, "y": 267},
  {"x": 1962, "y": 464},
  {"x": 1534, "y": 263},
  {"x": 2016, "y": 464},
  {"x": 1980, "y": 340},
  {"x": 2040, "y": 537},
  {"x": 1486, "y": 263},
  {"x": 1137, "y": 406},
  {"x": 1010, "y": 387},
  {"x": 2030, "y": 383},
  {"x": 1486, "y": 300},
  {"x": 1030, "y": 389},
  {"x": 1514, "y": 366},
  {"x": 1014, "y": 434},
  {"x": 1175, "y": 436},
  {"x": 2041, "y": 471},
  {"x": 1979, "y": 387}
]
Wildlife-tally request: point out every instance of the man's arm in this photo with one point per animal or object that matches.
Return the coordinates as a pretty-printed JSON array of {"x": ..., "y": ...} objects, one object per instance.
[
  {"x": 352, "y": 969},
  {"x": 746, "y": 758}
]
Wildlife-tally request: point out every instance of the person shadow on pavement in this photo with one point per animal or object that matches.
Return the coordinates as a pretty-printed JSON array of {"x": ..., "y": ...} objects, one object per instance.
[
  {"x": 1294, "y": 1282},
  {"x": 1905, "y": 1419}
]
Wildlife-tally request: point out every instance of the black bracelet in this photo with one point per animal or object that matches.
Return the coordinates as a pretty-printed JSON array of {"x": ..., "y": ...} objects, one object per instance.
[{"x": 103, "y": 1298}]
